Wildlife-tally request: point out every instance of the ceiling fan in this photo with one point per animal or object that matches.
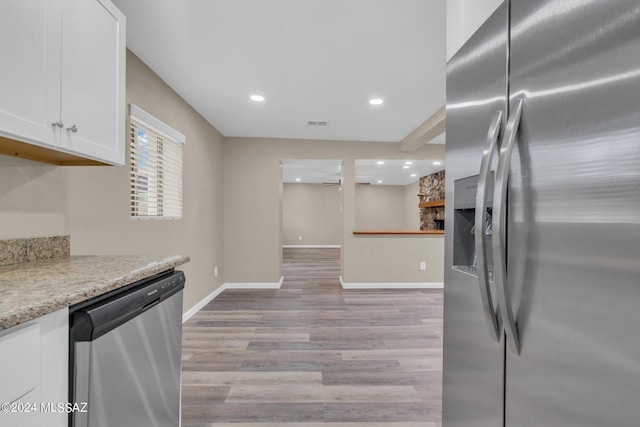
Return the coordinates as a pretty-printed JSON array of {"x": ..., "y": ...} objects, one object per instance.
[{"x": 339, "y": 183}]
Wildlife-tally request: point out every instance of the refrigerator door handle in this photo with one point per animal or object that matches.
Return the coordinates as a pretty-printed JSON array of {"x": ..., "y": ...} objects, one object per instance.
[
  {"x": 491, "y": 315},
  {"x": 499, "y": 225}
]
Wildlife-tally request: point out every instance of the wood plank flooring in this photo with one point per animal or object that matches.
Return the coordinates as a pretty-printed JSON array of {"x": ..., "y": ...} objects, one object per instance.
[{"x": 311, "y": 354}]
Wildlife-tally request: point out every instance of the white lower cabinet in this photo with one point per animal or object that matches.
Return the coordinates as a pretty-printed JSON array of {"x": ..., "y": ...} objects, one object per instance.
[
  {"x": 27, "y": 412},
  {"x": 20, "y": 367},
  {"x": 34, "y": 371}
]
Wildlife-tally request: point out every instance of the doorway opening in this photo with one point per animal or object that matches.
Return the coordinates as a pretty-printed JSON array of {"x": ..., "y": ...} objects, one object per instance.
[{"x": 312, "y": 224}]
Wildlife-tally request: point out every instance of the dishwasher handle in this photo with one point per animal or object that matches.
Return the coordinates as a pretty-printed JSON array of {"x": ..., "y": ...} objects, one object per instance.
[
  {"x": 150, "y": 304},
  {"x": 92, "y": 322}
]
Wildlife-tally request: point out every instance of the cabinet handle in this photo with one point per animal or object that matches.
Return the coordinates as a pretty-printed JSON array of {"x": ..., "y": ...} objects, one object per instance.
[
  {"x": 73, "y": 129},
  {"x": 58, "y": 123}
]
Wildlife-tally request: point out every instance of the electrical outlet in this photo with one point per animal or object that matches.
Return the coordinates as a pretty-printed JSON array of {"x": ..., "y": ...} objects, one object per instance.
[
  {"x": 300, "y": 238},
  {"x": 215, "y": 271},
  {"x": 423, "y": 265}
]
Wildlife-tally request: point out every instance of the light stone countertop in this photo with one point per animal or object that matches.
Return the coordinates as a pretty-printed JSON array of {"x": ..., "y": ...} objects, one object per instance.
[{"x": 33, "y": 289}]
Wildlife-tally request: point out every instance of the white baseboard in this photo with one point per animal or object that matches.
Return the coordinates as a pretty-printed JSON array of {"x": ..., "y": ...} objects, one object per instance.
[
  {"x": 258, "y": 285},
  {"x": 200, "y": 305},
  {"x": 392, "y": 285},
  {"x": 206, "y": 300},
  {"x": 311, "y": 246}
]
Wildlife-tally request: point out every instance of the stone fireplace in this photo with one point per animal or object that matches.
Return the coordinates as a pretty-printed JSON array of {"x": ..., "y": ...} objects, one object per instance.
[{"x": 431, "y": 201}]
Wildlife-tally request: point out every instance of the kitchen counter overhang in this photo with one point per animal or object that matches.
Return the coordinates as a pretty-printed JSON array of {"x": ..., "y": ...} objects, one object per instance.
[{"x": 33, "y": 289}]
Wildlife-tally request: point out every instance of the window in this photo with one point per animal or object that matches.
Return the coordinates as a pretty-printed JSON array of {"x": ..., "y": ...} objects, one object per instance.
[{"x": 156, "y": 167}]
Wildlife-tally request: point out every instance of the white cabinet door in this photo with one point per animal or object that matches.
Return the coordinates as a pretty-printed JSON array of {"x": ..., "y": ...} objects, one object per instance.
[
  {"x": 93, "y": 79},
  {"x": 28, "y": 411},
  {"x": 20, "y": 368},
  {"x": 30, "y": 72},
  {"x": 34, "y": 370},
  {"x": 62, "y": 78},
  {"x": 54, "y": 365}
]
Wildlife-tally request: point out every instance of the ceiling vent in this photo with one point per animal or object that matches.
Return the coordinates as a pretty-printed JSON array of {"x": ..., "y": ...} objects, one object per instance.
[{"x": 316, "y": 124}]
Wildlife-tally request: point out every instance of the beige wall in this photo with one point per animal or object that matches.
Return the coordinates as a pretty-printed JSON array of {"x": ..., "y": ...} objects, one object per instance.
[
  {"x": 380, "y": 207},
  {"x": 253, "y": 182},
  {"x": 396, "y": 259},
  {"x": 313, "y": 212},
  {"x": 387, "y": 207},
  {"x": 92, "y": 203},
  {"x": 98, "y": 198},
  {"x": 411, "y": 211},
  {"x": 33, "y": 199},
  {"x": 392, "y": 258}
]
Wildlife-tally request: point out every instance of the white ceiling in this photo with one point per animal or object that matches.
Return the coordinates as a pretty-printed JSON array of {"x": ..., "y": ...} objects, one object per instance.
[
  {"x": 311, "y": 60},
  {"x": 394, "y": 172},
  {"x": 391, "y": 172},
  {"x": 311, "y": 171},
  {"x": 439, "y": 139}
]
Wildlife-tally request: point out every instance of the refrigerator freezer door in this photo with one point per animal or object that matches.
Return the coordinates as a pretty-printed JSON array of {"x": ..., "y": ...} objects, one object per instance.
[
  {"x": 473, "y": 361},
  {"x": 574, "y": 209}
]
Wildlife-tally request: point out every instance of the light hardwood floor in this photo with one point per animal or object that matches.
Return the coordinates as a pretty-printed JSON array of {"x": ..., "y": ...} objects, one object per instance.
[{"x": 312, "y": 354}]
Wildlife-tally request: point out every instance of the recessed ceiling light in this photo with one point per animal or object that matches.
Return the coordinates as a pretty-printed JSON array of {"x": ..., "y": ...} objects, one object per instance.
[
  {"x": 257, "y": 98},
  {"x": 376, "y": 101},
  {"x": 298, "y": 179},
  {"x": 437, "y": 163},
  {"x": 379, "y": 181},
  {"x": 408, "y": 162},
  {"x": 413, "y": 175},
  {"x": 406, "y": 167},
  {"x": 380, "y": 162}
]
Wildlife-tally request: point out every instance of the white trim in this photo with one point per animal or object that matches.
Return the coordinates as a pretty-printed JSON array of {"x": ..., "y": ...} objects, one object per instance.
[
  {"x": 157, "y": 125},
  {"x": 206, "y": 300},
  {"x": 259, "y": 285},
  {"x": 392, "y": 285},
  {"x": 312, "y": 246},
  {"x": 200, "y": 305}
]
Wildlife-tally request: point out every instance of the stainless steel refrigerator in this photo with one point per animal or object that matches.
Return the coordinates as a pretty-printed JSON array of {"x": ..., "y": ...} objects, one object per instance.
[{"x": 542, "y": 278}]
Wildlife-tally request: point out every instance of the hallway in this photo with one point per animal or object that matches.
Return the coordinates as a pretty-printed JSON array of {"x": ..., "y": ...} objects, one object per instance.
[{"x": 312, "y": 354}]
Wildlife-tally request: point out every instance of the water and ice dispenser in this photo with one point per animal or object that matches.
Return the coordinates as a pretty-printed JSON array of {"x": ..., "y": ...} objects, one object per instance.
[{"x": 464, "y": 205}]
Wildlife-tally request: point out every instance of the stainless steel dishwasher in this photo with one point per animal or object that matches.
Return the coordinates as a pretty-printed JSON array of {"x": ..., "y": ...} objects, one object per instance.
[{"x": 125, "y": 353}]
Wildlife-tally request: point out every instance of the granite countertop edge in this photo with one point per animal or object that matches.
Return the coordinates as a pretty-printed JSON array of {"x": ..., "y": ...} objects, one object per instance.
[{"x": 26, "y": 294}]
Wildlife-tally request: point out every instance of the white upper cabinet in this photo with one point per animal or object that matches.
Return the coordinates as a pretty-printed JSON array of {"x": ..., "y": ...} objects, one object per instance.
[
  {"x": 93, "y": 55},
  {"x": 30, "y": 73},
  {"x": 64, "y": 87},
  {"x": 464, "y": 17}
]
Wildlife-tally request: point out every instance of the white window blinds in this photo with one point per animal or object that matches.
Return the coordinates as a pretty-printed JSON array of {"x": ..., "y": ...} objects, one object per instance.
[{"x": 156, "y": 167}]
